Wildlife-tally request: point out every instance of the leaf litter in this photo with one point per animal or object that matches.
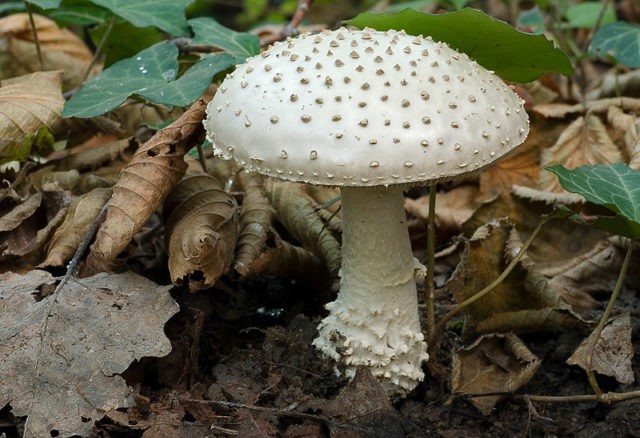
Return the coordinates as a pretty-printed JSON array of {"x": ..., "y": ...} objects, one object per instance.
[{"x": 241, "y": 362}]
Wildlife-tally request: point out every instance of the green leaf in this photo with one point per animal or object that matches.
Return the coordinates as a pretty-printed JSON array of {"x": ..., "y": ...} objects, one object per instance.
[
  {"x": 532, "y": 19},
  {"x": 615, "y": 186},
  {"x": 586, "y": 15},
  {"x": 80, "y": 14},
  {"x": 150, "y": 74},
  {"x": 45, "y": 4},
  {"x": 620, "y": 41},
  {"x": 209, "y": 32},
  {"x": 12, "y": 7},
  {"x": 513, "y": 55},
  {"x": 125, "y": 40},
  {"x": 167, "y": 15}
]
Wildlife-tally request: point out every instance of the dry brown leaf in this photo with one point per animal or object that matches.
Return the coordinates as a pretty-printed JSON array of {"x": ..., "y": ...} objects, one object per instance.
[
  {"x": 61, "y": 49},
  {"x": 453, "y": 208},
  {"x": 153, "y": 171},
  {"x": 95, "y": 157},
  {"x": 282, "y": 258},
  {"x": 18, "y": 214},
  {"x": 28, "y": 103},
  {"x": 522, "y": 302},
  {"x": 613, "y": 351},
  {"x": 628, "y": 127},
  {"x": 65, "y": 374},
  {"x": 295, "y": 212},
  {"x": 201, "y": 224},
  {"x": 79, "y": 218},
  {"x": 494, "y": 363},
  {"x": 256, "y": 215},
  {"x": 585, "y": 141}
]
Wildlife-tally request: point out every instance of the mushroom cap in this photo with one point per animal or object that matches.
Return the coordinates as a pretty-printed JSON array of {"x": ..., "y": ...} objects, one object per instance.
[{"x": 364, "y": 108}]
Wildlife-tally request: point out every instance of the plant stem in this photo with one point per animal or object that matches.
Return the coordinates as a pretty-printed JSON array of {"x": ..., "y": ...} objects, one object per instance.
[
  {"x": 99, "y": 48},
  {"x": 34, "y": 32},
  {"x": 430, "y": 290},
  {"x": 603, "y": 321}
]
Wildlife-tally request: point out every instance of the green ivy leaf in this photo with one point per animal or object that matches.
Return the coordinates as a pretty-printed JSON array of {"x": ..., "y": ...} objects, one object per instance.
[
  {"x": 614, "y": 186},
  {"x": 45, "y": 4},
  {"x": 150, "y": 74},
  {"x": 125, "y": 40},
  {"x": 167, "y": 15},
  {"x": 82, "y": 14},
  {"x": 209, "y": 32},
  {"x": 585, "y": 15},
  {"x": 513, "y": 55},
  {"x": 12, "y": 7},
  {"x": 620, "y": 41}
]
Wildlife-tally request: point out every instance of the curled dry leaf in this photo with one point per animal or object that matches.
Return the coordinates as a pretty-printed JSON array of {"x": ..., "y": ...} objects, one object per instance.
[
  {"x": 256, "y": 215},
  {"x": 62, "y": 355},
  {"x": 494, "y": 363},
  {"x": 28, "y": 103},
  {"x": 81, "y": 215},
  {"x": 201, "y": 223},
  {"x": 94, "y": 157},
  {"x": 295, "y": 211},
  {"x": 613, "y": 351},
  {"x": 61, "y": 49},
  {"x": 585, "y": 141},
  {"x": 282, "y": 258},
  {"x": 153, "y": 171}
]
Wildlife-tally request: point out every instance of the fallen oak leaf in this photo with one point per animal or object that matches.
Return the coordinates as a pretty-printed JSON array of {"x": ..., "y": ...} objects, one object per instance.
[
  {"x": 153, "y": 171},
  {"x": 61, "y": 356}
]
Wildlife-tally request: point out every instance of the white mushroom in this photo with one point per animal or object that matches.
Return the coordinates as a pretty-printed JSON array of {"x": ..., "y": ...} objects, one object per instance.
[{"x": 371, "y": 112}]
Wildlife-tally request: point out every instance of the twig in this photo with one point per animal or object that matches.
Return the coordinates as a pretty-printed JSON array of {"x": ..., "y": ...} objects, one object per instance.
[
  {"x": 34, "y": 32},
  {"x": 603, "y": 321},
  {"x": 274, "y": 411},
  {"x": 607, "y": 397},
  {"x": 291, "y": 28},
  {"x": 430, "y": 290},
  {"x": 98, "y": 51}
]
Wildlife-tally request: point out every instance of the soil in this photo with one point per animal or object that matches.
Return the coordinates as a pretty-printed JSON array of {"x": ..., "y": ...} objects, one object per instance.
[{"x": 242, "y": 365}]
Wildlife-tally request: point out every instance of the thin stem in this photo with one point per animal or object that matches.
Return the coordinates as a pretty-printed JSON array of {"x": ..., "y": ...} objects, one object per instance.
[
  {"x": 34, "y": 32},
  {"x": 430, "y": 289},
  {"x": 99, "y": 48},
  {"x": 460, "y": 307},
  {"x": 603, "y": 321}
]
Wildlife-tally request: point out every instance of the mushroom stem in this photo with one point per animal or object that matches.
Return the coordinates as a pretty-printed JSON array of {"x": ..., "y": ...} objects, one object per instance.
[{"x": 374, "y": 321}]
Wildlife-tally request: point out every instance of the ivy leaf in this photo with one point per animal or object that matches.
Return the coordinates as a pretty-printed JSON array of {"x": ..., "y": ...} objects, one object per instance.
[
  {"x": 620, "y": 41},
  {"x": 614, "y": 186},
  {"x": 45, "y": 4},
  {"x": 167, "y": 15},
  {"x": 587, "y": 14},
  {"x": 209, "y": 32},
  {"x": 150, "y": 74},
  {"x": 513, "y": 55},
  {"x": 82, "y": 14}
]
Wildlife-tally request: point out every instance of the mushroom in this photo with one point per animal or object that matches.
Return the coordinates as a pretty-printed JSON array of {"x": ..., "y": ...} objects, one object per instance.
[{"x": 373, "y": 113}]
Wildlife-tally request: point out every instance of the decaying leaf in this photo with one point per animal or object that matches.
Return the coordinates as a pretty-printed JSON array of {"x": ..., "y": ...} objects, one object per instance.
[
  {"x": 201, "y": 224},
  {"x": 27, "y": 104},
  {"x": 453, "y": 207},
  {"x": 296, "y": 213},
  {"x": 613, "y": 351},
  {"x": 522, "y": 302},
  {"x": 585, "y": 141},
  {"x": 494, "y": 363},
  {"x": 61, "y": 49},
  {"x": 151, "y": 174},
  {"x": 60, "y": 358},
  {"x": 282, "y": 258},
  {"x": 628, "y": 127},
  {"x": 81, "y": 215},
  {"x": 256, "y": 215}
]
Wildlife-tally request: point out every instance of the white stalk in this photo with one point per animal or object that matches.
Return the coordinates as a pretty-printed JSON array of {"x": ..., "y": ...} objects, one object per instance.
[{"x": 374, "y": 320}]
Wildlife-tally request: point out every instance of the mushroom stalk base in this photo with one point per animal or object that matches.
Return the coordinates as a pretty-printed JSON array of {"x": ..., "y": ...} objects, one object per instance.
[{"x": 374, "y": 320}]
